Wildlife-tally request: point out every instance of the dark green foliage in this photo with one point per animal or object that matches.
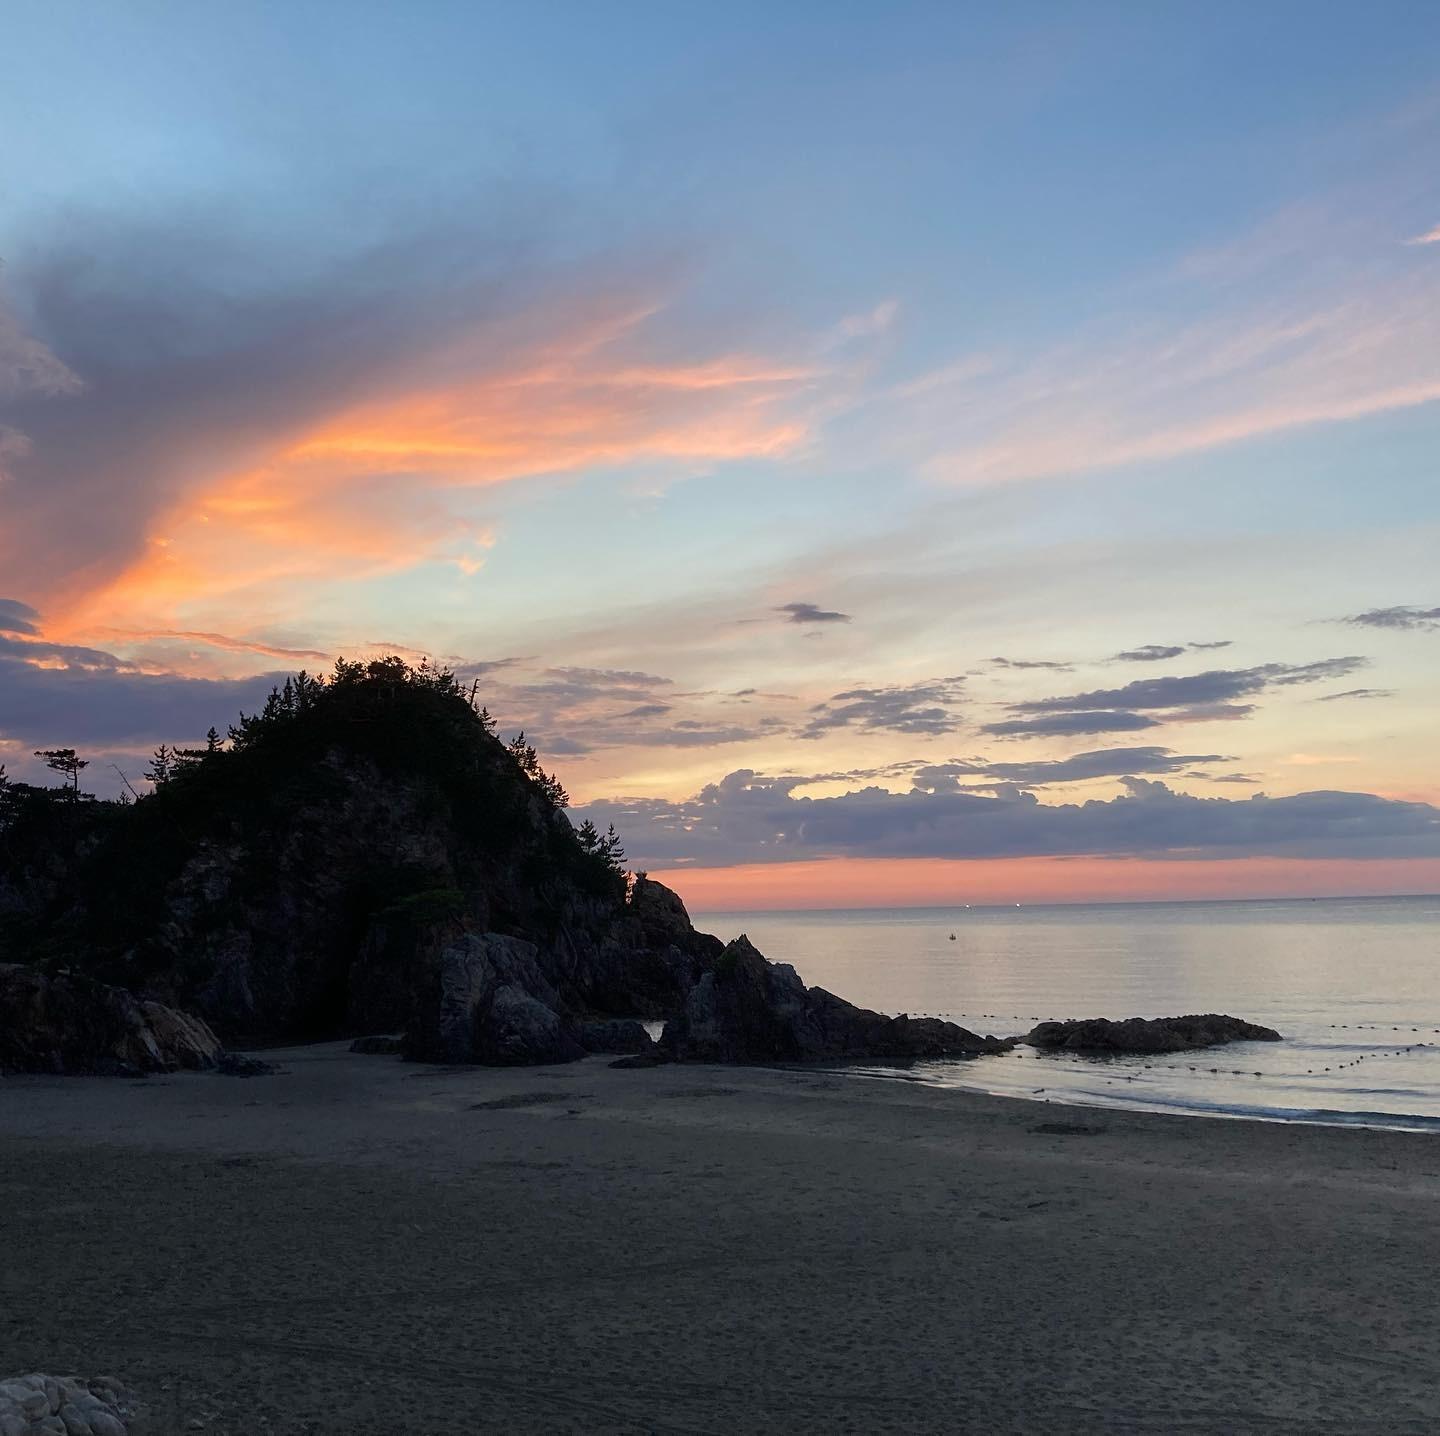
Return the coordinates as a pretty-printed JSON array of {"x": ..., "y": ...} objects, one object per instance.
[
  {"x": 302, "y": 787},
  {"x": 528, "y": 761}
]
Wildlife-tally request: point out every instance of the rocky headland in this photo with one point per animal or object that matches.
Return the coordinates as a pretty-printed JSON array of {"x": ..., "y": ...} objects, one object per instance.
[{"x": 366, "y": 857}]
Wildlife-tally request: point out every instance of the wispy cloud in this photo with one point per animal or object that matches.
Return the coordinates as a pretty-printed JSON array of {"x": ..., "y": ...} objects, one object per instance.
[
  {"x": 1158, "y": 652},
  {"x": 1305, "y": 322},
  {"x": 810, "y": 613},
  {"x": 1216, "y": 685},
  {"x": 1078, "y": 768},
  {"x": 1431, "y": 236},
  {"x": 1356, "y": 693},
  {"x": 1064, "y": 725},
  {"x": 1043, "y": 664},
  {"x": 222, "y": 641},
  {"x": 906, "y": 708},
  {"x": 1401, "y": 617}
]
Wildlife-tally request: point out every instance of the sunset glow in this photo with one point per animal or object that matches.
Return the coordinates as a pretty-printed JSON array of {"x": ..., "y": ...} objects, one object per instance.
[{"x": 1046, "y": 517}]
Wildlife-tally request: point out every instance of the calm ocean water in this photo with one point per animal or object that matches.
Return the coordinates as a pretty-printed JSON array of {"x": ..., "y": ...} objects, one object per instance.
[{"x": 1353, "y": 984}]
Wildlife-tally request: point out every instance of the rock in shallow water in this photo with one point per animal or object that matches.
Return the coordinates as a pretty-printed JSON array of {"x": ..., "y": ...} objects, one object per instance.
[
  {"x": 1147, "y": 1034},
  {"x": 751, "y": 1010}
]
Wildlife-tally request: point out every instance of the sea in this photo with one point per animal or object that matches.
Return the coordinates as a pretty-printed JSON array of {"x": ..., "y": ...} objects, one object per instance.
[{"x": 1353, "y": 985}]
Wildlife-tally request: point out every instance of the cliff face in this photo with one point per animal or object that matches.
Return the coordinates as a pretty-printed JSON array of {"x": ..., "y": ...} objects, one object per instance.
[{"x": 306, "y": 883}]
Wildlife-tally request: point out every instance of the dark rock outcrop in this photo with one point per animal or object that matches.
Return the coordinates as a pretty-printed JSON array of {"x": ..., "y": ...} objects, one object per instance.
[
  {"x": 746, "y": 1009},
  {"x": 71, "y": 1024},
  {"x": 617, "y": 1035},
  {"x": 488, "y": 998},
  {"x": 1147, "y": 1034},
  {"x": 311, "y": 880}
]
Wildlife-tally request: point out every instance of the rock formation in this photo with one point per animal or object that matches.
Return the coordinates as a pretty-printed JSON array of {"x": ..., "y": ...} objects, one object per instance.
[
  {"x": 72, "y": 1024},
  {"x": 40, "y": 1405},
  {"x": 1147, "y": 1034},
  {"x": 746, "y": 1009},
  {"x": 365, "y": 857}
]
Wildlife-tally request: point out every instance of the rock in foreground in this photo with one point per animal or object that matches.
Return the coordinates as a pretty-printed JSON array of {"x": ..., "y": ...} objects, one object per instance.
[
  {"x": 40, "y": 1405},
  {"x": 72, "y": 1024},
  {"x": 1147, "y": 1034},
  {"x": 747, "y": 1009}
]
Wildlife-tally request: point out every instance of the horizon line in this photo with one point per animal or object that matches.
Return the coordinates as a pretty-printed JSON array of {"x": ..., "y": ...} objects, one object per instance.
[{"x": 1078, "y": 903}]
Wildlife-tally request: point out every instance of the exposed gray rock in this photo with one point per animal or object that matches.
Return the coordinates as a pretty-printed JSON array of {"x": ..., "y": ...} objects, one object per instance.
[
  {"x": 517, "y": 1030},
  {"x": 1147, "y": 1034},
  {"x": 747, "y": 1009},
  {"x": 72, "y": 1024},
  {"x": 487, "y": 999},
  {"x": 41, "y": 1405}
]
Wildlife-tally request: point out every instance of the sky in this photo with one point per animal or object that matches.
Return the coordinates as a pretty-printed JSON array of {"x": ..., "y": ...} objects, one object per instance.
[{"x": 878, "y": 454}]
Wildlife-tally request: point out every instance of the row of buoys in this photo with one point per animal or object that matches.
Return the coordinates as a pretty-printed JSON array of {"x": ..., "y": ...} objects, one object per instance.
[
  {"x": 1309, "y": 1071},
  {"x": 1373, "y": 1027},
  {"x": 992, "y": 1016}
]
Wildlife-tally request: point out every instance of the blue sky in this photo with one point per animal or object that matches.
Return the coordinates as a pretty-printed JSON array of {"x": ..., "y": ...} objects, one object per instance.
[{"x": 589, "y": 337}]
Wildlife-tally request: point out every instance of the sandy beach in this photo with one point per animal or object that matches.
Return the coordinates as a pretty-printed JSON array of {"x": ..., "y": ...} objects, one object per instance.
[{"x": 360, "y": 1245}]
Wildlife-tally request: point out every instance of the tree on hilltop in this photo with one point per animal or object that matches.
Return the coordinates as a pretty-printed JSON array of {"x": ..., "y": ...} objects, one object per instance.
[{"x": 67, "y": 763}]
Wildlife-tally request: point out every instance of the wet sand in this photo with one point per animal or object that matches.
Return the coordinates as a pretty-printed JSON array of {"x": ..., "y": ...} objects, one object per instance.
[{"x": 357, "y": 1245}]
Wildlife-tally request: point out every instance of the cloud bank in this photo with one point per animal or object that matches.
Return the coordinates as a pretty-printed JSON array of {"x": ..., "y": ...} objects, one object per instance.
[{"x": 749, "y": 818}]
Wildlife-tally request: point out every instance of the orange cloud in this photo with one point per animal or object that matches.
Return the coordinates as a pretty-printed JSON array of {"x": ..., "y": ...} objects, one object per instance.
[{"x": 363, "y": 490}]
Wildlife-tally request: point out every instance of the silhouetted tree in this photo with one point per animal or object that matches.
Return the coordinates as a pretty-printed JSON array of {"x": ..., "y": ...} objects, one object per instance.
[
  {"x": 65, "y": 762},
  {"x": 611, "y": 850},
  {"x": 160, "y": 765}
]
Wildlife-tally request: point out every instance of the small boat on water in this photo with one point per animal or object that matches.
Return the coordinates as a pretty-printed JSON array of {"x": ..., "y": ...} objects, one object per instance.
[{"x": 952, "y": 937}]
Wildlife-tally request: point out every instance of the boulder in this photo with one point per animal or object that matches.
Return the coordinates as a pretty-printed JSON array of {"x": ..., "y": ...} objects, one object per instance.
[
  {"x": 486, "y": 999},
  {"x": 36, "y": 1405},
  {"x": 72, "y": 1024},
  {"x": 515, "y": 1029},
  {"x": 1147, "y": 1034},
  {"x": 747, "y": 1009}
]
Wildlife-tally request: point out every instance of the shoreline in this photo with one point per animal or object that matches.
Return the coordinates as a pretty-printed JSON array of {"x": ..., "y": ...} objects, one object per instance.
[
  {"x": 358, "y": 1244},
  {"x": 1414, "y": 1123}
]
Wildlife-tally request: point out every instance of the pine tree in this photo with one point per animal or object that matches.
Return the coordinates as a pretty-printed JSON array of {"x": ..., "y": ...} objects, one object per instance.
[
  {"x": 65, "y": 762},
  {"x": 611, "y": 850},
  {"x": 160, "y": 770}
]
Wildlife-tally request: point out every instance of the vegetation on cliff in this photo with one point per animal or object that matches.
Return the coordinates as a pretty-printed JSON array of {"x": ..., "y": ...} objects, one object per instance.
[{"x": 371, "y": 809}]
